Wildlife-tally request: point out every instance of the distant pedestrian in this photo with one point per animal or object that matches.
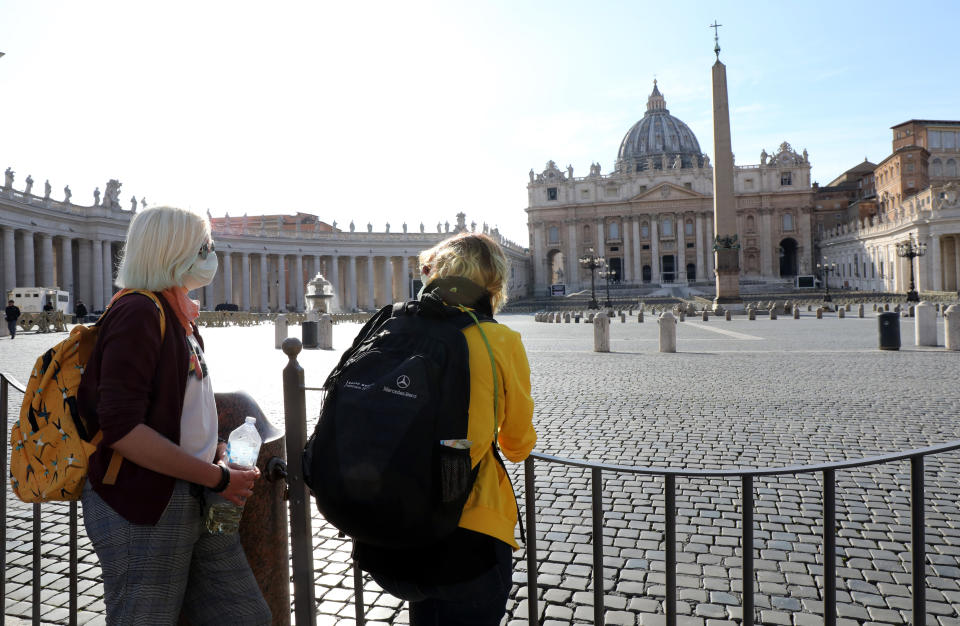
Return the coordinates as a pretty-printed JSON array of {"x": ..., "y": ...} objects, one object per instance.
[
  {"x": 12, "y": 314},
  {"x": 81, "y": 312},
  {"x": 47, "y": 307}
]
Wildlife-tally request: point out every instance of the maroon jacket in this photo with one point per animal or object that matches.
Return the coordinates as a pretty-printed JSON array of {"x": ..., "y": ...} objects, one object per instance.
[{"x": 132, "y": 378}]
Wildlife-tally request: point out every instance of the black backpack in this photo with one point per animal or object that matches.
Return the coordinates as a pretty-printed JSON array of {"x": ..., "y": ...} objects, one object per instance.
[{"x": 389, "y": 460}]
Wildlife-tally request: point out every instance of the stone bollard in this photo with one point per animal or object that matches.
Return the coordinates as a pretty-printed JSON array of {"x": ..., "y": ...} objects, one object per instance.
[
  {"x": 705, "y": 316},
  {"x": 886, "y": 306},
  {"x": 751, "y": 314},
  {"x": 325, "y": 332},
  {"x": 280, "y": 330},
  {"x": 926, "y": 327},
  {"x": 951, "y": 327},
  {"x": 796, "y": 312},
  {"x": 726, "y": 315},
  {"x": 841, "y": 313},
  {"x": 576, "y": 318},
  {"x": 590, "y": 317},
  {"x": 640, "y": 317},
  {"x": 809, "y": 308},
  {"x": 683, "y": 316},
  {"x": 860, "y": 310},
  {"x": 601, "y": 333},
  {"x": 819, "y": 312},
  {"x": 912, "y": 311},
  {"x": 558, "y": 317},
  {"x": 566, "y": 317},
  {"x": 848, "y": 306},
  {"x": 668, "y": 332},
  {"x": 773, "y": 313}
]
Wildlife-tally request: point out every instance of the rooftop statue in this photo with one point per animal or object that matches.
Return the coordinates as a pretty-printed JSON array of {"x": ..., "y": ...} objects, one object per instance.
[
  {"x": 133, "y": 203},
  {"x": 67, "y": 194},
  {"x": 96, "y": 197},
  {"x": 29, "y": 188},
  {"x": 47, "y": 189},
  {"x": 8, "y": 178}
]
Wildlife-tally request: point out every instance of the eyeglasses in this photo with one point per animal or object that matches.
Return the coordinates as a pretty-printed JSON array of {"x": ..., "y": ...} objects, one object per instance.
[{"x": 206, "y": 249}]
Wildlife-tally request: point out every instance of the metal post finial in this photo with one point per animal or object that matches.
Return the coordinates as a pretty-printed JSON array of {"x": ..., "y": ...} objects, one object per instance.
[{"x": 716, "y": 38}]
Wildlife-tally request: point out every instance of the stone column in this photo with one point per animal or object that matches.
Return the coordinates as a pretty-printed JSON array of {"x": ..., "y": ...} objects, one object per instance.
[
  {"x": 208, "y": 299},
  {"x": 84, "y": 273},
  {"x": 352, "y": 283},
  {"x": 407, "y": 271},
  {"x": 9, "y": 260},
  {"x": 387, "y": 280},
  {"x": 724, "y": 203},
  {"x": 573, "y": 262},
  {"x": 936, "y": 264},
  {"x": 601, "y": 237},
  {"x": 681, "y": 249},
  {"x": 708, "y": 251},
  {"x": 539, "y": 260},
  {"x": 766, "y": 247},
  {"x": 281, "y": 283},
  {"x": 299, "y": 284},
  {"x": 334, "y": 279},
  {"x": 655, "y": 277},
  {"x": 97, "y": 303},
  {"x": 371, "y": 286},
  {"x": 228, "y": 277},
  {"x": 46, "y": 260},
  {"x": 244, "y": 281},
  {"x": 66, "y": 267},
  {"x": 701, "y": 248},
  {"x": 264, "y": 284},
  {"x": 956, "y": 260},
  {"x": 637, "y": 251},
  {"x": 107, "y": 272},
  {"x": 627, "y": 263},
  {"x": 28, "y": 263}
]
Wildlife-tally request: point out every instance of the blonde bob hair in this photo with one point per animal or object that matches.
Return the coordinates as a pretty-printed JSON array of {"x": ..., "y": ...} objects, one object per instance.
[
  {"x": 162, "y": 243},
  {"x": 473, "y": 256}
]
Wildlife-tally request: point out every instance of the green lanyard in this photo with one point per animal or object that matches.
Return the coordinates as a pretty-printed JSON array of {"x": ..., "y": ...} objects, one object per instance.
[{"x": 493, "y": 367}]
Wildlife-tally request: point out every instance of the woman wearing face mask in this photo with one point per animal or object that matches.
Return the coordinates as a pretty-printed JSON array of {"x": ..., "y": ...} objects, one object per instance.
[{"x": 147, "y": 388}]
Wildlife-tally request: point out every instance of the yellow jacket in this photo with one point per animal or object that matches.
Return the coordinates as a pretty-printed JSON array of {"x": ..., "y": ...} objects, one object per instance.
[{"x": 491, "y": 508}]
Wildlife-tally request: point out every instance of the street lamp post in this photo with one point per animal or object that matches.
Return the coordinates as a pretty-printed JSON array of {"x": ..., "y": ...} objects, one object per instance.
[
  {"x": 607, "y": 274},
  {"x": 591, "y": 262},
  {"x": 910, "y": 249},
  {"x": 825, "y": 270}
]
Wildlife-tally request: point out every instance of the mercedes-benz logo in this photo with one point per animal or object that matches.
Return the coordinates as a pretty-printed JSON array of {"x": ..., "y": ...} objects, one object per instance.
[{"x": 403, "y": 381}]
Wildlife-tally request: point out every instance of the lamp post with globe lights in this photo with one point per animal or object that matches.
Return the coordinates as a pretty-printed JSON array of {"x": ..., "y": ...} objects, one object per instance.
[
  {"x": 825, "y": 270},
  {"x": 608, "y": 274},
  {"x": 592, "y": 262},
  {"x": 910, "y": 249}
]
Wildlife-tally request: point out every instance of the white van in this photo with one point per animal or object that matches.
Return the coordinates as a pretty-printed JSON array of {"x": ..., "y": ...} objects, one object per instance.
[{"x": 32, "y": 299}]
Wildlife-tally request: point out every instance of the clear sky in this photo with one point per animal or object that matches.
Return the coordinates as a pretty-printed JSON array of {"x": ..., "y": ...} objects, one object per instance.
[{"x": 412, "y": 111}]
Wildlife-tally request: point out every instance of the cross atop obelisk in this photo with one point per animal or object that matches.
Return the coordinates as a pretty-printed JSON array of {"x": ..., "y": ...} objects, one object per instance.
[
  {"x": 726, "y": 245},
  {"x": 716, "y": 38}
]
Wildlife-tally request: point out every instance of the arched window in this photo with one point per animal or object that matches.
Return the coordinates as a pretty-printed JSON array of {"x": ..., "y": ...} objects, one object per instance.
[
  {"x": 645, "y": 230},
  {"x": 936, "y": 168},
  {"x": 667, "y": 227},
  {"x": 787, "y": 221},
  {"x": 553, "y": 235},
  {"x": 951, "y": 168},
  {"x": 688, "y": 228},
  {"x": 614, "y": 230}
]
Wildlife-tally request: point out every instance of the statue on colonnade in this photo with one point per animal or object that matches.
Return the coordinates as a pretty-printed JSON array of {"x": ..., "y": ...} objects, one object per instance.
[
  {"x": 8, "y": 178},
  {"x": 47, "y": 189},
  {"x": 29, "y": 187},
  {"x": 67, "y": 194}
]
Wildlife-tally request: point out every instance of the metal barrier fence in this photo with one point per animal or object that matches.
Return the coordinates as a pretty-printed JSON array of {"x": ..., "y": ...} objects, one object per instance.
[{"x": 304, "y": 606}]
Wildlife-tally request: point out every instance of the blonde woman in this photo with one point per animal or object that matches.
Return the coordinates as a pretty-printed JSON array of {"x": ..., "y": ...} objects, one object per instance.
[
  {"x": 148, "y": 390},
  {"x": 467, "y": 578}
]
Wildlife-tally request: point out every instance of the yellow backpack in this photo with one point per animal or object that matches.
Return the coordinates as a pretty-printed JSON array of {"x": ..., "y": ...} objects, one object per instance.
[{"x": 50, "y": 442}]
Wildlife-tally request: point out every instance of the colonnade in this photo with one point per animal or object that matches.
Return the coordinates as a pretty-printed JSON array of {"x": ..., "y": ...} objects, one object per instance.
[
  {"x": 267, "y": 281},
  {"x": 84, "y": 267},
  {"x": 876, "y": 267}
]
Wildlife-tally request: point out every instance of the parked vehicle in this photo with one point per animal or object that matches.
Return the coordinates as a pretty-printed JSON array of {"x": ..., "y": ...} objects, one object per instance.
[{"x": 33, "y": 299}]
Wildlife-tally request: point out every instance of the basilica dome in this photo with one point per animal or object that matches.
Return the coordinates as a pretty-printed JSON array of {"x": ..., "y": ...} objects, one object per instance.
[{"x": 658, "y": 140}]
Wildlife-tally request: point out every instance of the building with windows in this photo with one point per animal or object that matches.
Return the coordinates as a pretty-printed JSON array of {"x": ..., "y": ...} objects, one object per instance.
[
  {"x": 915, "y": 198},
  {"x": 652, "y": 216}
]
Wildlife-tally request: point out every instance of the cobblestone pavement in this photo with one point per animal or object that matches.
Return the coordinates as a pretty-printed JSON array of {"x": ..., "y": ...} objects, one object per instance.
[{"x": 737, "y": 394}]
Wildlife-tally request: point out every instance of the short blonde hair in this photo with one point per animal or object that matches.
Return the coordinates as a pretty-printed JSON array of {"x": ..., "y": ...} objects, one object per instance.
[
  {"x": 162, "y": 243},
  {"x": 473, "y": 256}
]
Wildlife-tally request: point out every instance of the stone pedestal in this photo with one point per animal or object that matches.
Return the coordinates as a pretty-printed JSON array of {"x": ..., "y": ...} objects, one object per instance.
[
  {"x": 325, "y": 332},
  {"x": 668, "y": 332},
  {"x": 841, "y": 312},
  {"x": 796, "y": 312},
  {"x": 951, "y": 327},
  {"x": 926, "y": 326},
  {"x": 601, "y": 333},
  {"x": 280, "y": 330},
  {"x": 860, "y": 310}
]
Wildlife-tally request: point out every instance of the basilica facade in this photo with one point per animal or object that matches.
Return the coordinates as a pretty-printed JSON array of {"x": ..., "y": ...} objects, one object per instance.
[{"x": 652, "y": 218}]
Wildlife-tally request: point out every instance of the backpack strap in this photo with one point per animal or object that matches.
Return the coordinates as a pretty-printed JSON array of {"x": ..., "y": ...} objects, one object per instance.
[{"x": 116, "y": 459}]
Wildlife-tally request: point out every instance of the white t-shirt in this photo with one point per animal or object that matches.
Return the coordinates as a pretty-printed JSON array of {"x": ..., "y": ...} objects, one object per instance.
[{"x": 198, "y": 423}]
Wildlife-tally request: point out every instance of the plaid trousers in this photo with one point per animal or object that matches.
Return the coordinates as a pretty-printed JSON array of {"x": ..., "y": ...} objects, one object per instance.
[{"x": 151, "y": 572}]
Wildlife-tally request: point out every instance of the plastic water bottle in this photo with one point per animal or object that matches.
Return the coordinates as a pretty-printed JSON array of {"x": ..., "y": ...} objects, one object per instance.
[{"x": 243, "y": 448}]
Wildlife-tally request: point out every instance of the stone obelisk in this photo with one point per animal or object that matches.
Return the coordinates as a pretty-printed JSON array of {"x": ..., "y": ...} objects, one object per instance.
[{"x": 726, "y": 246}]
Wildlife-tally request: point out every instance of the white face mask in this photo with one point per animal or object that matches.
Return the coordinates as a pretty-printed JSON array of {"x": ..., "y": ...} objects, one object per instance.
[{"x": 201, "y": 273}]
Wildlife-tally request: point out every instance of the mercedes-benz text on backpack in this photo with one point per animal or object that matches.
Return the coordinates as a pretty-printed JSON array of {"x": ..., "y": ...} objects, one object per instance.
[
  {"x": 51, "y": 442},
  {"x": 389, "y": 460}
]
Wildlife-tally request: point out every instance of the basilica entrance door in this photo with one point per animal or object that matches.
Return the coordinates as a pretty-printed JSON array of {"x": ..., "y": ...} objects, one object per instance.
[
  {"x": 669, "y": 268},
  {"x": 616, "y": 266},
  {"x": 788, "y": 257}
]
